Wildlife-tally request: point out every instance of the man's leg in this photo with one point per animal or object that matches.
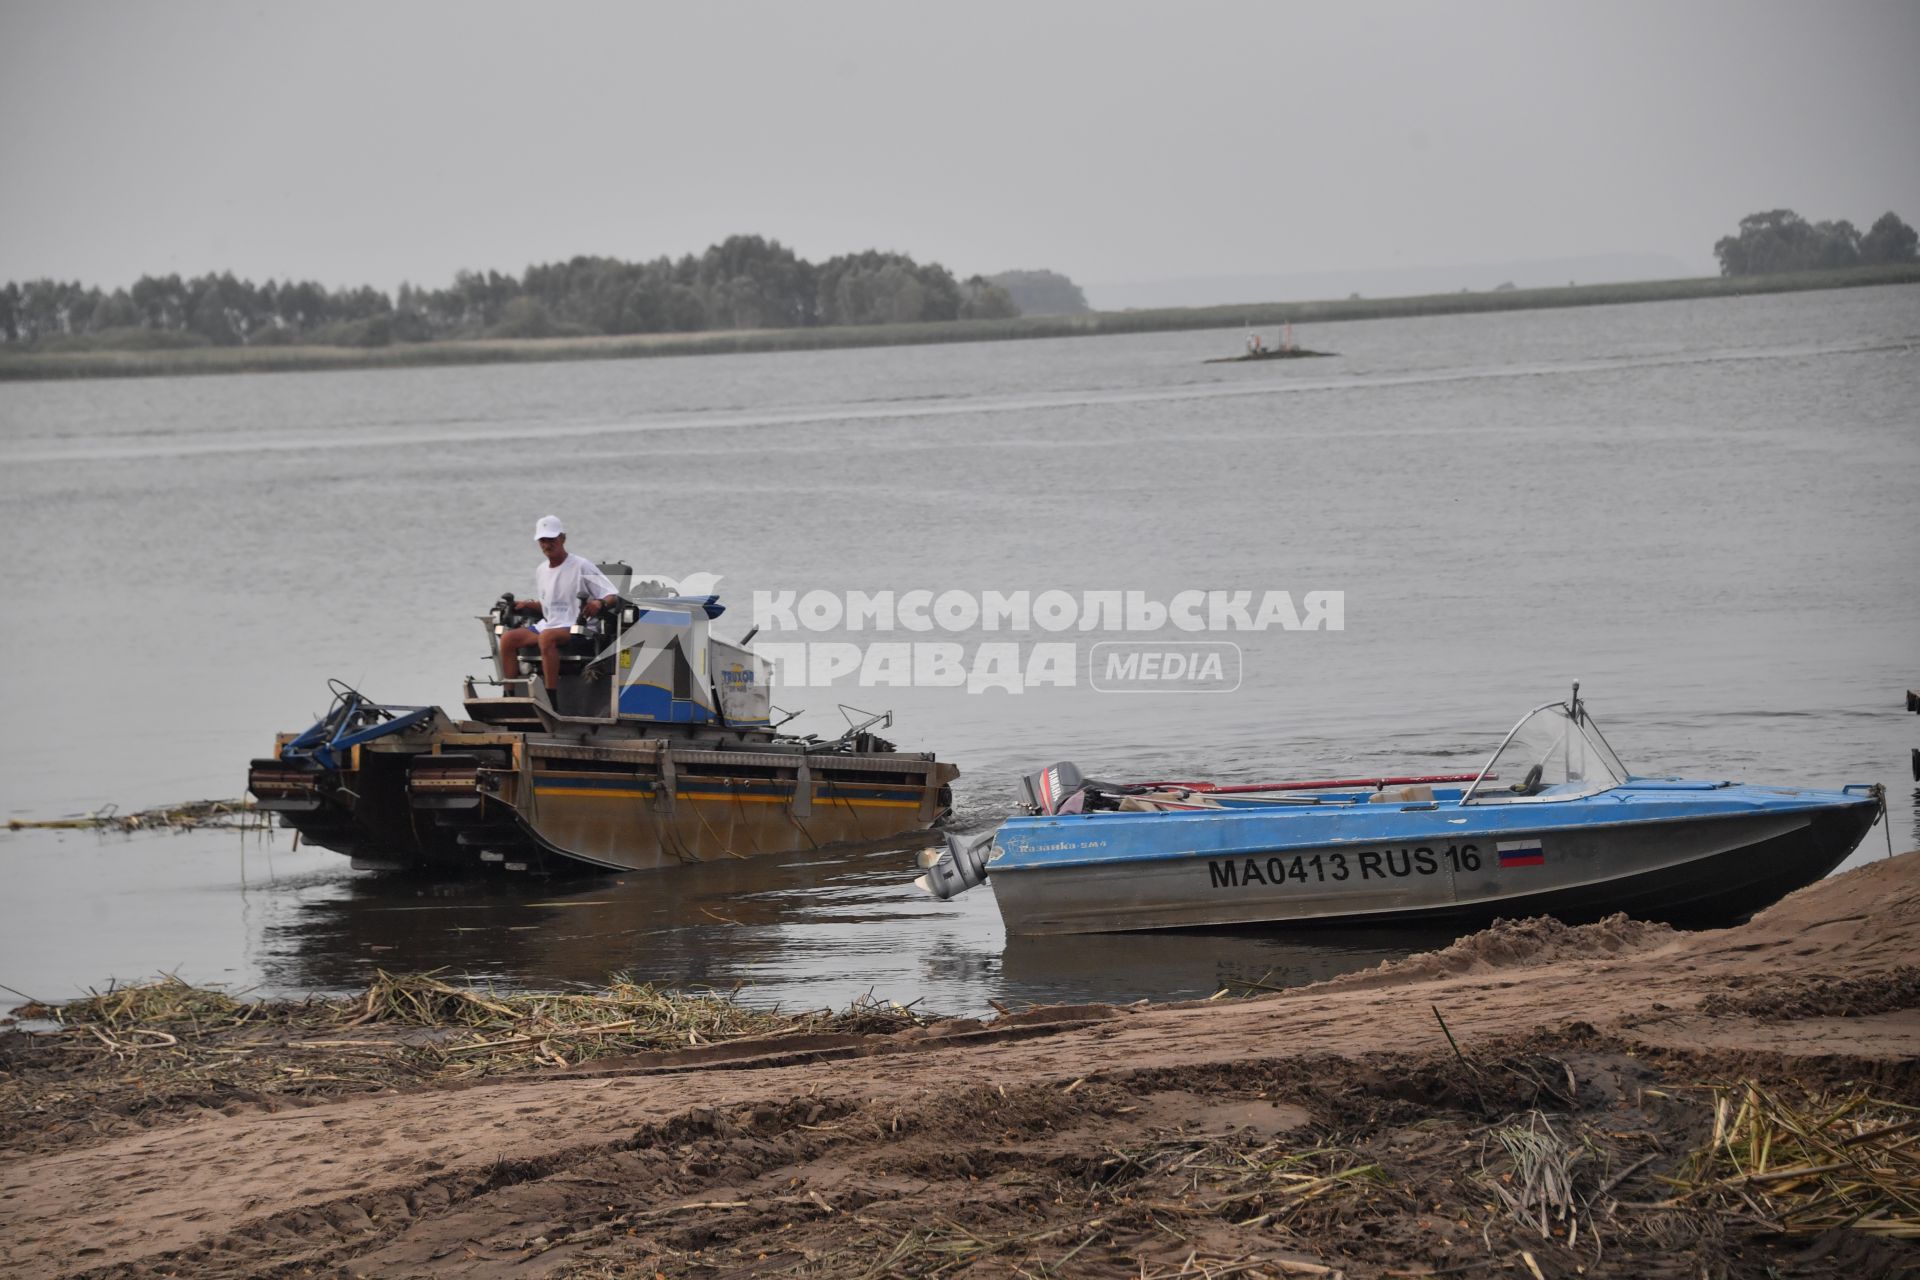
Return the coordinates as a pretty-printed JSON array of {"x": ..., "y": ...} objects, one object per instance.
[
  {"x": 550, "y": 641},
  {"x": 511, "y": 644}
]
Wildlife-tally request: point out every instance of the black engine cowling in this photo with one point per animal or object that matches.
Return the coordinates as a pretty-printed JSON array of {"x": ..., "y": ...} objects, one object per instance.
[{"x": 1058, "y": 788}]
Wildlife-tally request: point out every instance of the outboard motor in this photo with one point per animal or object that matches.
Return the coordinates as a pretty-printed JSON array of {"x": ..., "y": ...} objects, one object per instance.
[
  {"x": 1058, "y": 788},
  {"x": 958, "y": 867}
]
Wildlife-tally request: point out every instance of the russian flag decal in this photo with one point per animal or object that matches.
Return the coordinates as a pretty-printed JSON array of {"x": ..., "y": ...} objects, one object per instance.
[{"x": 1521, "y": 853}]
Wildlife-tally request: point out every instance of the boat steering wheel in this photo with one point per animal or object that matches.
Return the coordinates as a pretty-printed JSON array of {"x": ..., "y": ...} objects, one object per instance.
[{"x": 1530, "y": 783}]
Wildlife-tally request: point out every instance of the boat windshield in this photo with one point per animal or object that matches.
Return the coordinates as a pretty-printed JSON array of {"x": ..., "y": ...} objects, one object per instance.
[{"x": 1554, "y": 753}]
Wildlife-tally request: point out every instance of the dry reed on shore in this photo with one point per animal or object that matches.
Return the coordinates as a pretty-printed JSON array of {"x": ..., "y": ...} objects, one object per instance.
[
  {"x": 1810, "y": 1167},
  {"x": 561, "y": 1028},
  {"x": 149, "y": 1049},
  {"x": 1160, "y": 1190}
]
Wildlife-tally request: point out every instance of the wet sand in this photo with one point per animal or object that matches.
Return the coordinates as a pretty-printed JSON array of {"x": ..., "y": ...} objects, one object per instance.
[{"x": 1327, "y": 1129}]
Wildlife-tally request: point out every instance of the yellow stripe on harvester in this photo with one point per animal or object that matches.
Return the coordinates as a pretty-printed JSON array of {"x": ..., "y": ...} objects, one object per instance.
[{"x": 596, "y": 793}]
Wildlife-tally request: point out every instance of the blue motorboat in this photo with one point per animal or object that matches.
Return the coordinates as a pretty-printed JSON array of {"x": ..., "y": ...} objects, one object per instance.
[{"x": 1553, "y": 824}]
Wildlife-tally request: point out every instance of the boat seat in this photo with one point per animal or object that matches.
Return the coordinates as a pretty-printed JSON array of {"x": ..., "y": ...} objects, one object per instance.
[
  {"x": 574, "y": 657},
  {"x": 1167, "y": 802},
  {"x": 576, "y": 651},
  {"x": 1402, "y": 795}
]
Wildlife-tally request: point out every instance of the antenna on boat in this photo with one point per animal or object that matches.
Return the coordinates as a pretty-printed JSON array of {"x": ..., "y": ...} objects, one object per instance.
[{"x": 1576, "y": 700}]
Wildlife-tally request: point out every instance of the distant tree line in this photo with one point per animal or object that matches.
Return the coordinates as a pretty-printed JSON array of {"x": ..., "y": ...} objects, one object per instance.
[
  {"x": 1042, "y": 293},
  {"x": 1781, "y": 240},
  {"x": 744, "y": 282}
]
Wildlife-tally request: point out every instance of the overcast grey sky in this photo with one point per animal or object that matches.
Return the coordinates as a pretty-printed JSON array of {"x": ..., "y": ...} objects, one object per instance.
[{"x": 376, "y": 142}]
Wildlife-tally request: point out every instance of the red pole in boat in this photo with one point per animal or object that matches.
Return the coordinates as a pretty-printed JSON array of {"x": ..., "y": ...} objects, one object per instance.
[{"x": 1323, "y": 784}]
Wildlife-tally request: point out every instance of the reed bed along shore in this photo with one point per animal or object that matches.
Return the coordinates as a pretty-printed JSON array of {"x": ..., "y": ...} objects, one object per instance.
[{"x": 31, "y": 364}]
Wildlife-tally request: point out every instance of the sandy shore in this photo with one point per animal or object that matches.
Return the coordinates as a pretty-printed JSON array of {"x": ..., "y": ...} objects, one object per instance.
[{"x": 1328, "y": 1129}]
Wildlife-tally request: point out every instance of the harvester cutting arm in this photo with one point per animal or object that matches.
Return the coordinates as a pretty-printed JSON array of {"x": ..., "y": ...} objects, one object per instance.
[{"x": 353, "y": 719}]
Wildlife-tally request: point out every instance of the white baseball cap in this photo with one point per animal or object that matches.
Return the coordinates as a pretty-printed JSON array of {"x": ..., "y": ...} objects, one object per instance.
[{"x": 549, "y": 527}]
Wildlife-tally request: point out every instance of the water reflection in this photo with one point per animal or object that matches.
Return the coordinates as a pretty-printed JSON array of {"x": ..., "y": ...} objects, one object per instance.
[
  {"x": 708, "y": 923},
  {"x": 805, "y": 931},
  {"x": 802, "y": 931}
]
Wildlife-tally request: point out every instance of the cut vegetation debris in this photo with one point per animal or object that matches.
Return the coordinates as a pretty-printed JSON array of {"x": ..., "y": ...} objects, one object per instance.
[
  {"x": 1555, "y": 1156},
  {"x": 1811, "y": 1166},
  {"x": 149, "y": 1051},
  {"x": 1311, "y": 1167},
  {"x": 197, "y": 815}
]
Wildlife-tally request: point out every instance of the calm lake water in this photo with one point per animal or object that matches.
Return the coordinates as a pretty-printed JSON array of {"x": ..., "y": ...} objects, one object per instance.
[{"x": 1704, "y": 511}]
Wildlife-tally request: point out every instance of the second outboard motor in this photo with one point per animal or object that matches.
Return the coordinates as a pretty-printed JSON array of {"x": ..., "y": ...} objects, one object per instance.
[{"x": 958, "y": 867}]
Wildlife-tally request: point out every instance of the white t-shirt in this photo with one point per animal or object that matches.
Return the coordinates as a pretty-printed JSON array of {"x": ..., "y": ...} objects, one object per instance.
[{"x": 558, "y": 590}]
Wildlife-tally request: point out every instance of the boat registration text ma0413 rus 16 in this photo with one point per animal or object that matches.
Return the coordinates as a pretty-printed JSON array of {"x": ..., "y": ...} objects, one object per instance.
[{"x": 1351, "y": 864}]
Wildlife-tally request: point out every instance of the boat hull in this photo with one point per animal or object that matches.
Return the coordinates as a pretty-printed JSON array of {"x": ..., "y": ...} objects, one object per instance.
[
  {"x": 1701, "y": 868},
  {"x": 687, "y": 806},
  {"x": 447, "y": 799}
]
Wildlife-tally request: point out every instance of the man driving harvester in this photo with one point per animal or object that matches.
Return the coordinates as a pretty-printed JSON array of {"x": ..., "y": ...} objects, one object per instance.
[{"x": 557, "y": 586}]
